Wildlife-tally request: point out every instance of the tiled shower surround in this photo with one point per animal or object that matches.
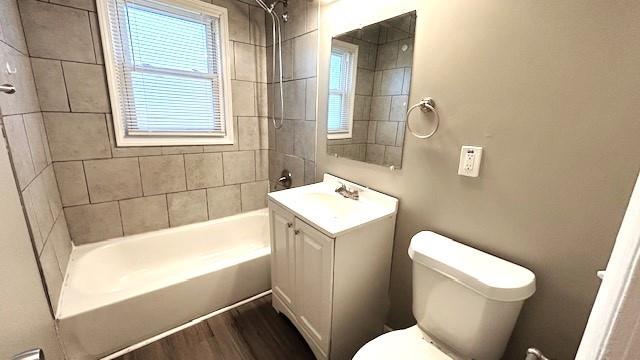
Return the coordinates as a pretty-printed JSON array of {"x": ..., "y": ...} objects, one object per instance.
[
  {"x": 30, "y": 155},
  {"x": 109, "y": 191},
  {"x": 292, "y": 147}
]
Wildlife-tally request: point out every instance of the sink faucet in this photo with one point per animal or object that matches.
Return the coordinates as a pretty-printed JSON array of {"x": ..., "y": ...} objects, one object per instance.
[{"x": 346, "y": 193}]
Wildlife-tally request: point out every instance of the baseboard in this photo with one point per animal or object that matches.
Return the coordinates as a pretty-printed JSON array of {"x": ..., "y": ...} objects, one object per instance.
[{"x": 182, "y": 327}]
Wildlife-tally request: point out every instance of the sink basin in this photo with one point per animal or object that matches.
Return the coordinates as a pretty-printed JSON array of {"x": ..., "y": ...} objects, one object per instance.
[
  {"x": 332, "y": 205},
  {"x": 318, "y": 204}
]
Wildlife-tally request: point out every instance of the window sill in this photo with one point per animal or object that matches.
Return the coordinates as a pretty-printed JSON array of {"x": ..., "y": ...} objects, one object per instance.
[{"x": 131, "y": 141}]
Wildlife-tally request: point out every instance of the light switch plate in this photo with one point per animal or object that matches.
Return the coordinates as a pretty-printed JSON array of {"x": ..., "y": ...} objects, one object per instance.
[{"x": 470, "y": 157}]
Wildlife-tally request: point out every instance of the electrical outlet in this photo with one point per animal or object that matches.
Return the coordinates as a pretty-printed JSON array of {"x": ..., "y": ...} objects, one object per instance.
[{"x": 470, "y": 157}]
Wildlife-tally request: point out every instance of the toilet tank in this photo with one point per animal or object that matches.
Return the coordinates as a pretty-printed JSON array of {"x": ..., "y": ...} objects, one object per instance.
[{"x": 466, "y": 300}]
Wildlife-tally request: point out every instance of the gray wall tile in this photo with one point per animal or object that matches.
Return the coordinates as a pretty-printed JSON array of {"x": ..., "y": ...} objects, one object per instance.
[
  {"x": 262, "y": 164},
  {"x": 203, "y": 170},
  {"x": 254, "y": 195},
  {"x": 20, "y": 152},
  {"x": 311, "y": 99},
  {"x": 398, "y": 108},
  {"x": 223, "y": 201},
  {"x": 113, "y": 179},
  {"x": 305, "y": 55},
  {"x": 162, "y": 174},
  {"x": 239, "y": 167},
  {"x": 144, "y": 214},
  {"x": 375, "y": 154},
  {"x": 71, "y": 182},
  {"x": 304, "y": 139},
  {"x": 95, "y": 222},
  {"x": 174, "y": 150},
  {"x": 51, "y": 188},
  {"x": 10, "y": 25},
  {"x": 387, "y": 56},
  {"x": 50, "y": 85},
  {"x": 27, "y": 101},
  {"x": 30, "y": 208},
  {"x": 86, "y": 87},
  {"x": 243, "y": 98},
  {"x": 296, "y": 25},
  {"x": 187, "y": 207},
  {"x": 95, "y": 35},
  {"x": 57, "y": 32},
  {"x": 41, "y": 207},
  {"x": 238, "y": 19},
  {"x": 61, "y": 241},
  {"x": 312, "y": 14},
  {"x": 386, "y": 132},
  {"x": 249, "y": 133},
  {"x": 392, "y": 82},
  {"x": 80, "y": 4},
  {"x": 257, "y": 26},
  {"x": 52, "y": 275},
  {"x": 77, "y": 136},
  {"x": 249, "y": 62},
  {"x": 380, "y": 108},
  {"x": 37, "y": 140},
  {"x": 309, "y": 172},
  {"x": 294, "y": 100}
]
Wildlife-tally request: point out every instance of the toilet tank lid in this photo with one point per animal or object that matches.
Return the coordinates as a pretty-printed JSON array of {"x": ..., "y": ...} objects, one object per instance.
[{"x": 488, "y": 275}]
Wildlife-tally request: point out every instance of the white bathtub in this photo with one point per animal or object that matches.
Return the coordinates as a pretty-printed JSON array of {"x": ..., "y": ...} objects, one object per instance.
[{"x": 122, "y": 291}]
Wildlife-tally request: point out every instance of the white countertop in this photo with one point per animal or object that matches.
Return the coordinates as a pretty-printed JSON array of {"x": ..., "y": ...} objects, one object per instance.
[{"x": 319, "y": 205}]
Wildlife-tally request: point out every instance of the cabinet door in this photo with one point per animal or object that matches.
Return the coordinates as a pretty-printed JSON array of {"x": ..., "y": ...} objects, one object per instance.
[
  {"x": 282, "y": 254},
  {"x": 314, "y": 282}
]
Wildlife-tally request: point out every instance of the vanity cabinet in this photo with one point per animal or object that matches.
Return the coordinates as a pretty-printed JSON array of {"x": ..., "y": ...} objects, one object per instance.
[{"x": 332, "y": 284}]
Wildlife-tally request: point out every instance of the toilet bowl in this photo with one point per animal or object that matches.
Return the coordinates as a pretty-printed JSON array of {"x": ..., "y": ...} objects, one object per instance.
[
  {"x": 466, "y": 299},
  {"x": 406, "y": 344}
]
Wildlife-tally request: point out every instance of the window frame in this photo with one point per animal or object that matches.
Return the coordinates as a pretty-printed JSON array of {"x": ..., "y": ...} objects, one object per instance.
[
  {"x": 353, "y": 50},
  {"x": 166, "y": 138}
]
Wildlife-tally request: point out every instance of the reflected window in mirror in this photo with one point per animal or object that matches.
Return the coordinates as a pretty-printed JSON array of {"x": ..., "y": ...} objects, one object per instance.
[
  {"x": 369, "y": 123},
  {"x": 342, "y": 89}
]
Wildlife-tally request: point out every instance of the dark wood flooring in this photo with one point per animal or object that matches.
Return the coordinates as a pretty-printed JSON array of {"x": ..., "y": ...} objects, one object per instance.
[{"x": 253, "y": 331}]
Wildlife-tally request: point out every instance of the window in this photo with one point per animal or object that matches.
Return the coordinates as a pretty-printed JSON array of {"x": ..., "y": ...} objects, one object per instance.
[
  {"x": 167, "y": 71},
  {"x": 342, "y": 72}
]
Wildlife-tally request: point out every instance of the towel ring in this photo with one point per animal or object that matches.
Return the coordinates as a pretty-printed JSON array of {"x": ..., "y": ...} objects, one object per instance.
[{"x": 426, "y": 105}]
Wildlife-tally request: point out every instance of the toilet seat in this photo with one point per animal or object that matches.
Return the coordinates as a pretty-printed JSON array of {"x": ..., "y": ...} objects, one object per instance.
[{"x": 404, "y": 344}]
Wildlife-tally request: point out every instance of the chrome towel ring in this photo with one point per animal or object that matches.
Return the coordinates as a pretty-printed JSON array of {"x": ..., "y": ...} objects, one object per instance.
[{"x": 426, "y": 105}]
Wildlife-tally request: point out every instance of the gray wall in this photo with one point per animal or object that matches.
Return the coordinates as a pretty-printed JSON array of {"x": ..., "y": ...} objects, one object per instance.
[
  {"x": 292, "y": 147},
  {"x": 31, "y": 158},
  {"x": 550, "y": 89},
  {"x": 109, "y": 191}
]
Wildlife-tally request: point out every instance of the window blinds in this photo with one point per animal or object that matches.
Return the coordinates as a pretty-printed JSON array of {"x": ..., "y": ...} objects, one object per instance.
[
  {"x": 342, "y": 69},
  {"x": 167, "y": 68}
]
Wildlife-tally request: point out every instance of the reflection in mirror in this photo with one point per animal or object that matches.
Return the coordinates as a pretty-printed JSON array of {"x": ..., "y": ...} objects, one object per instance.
[{"x": 369, "y": 81}]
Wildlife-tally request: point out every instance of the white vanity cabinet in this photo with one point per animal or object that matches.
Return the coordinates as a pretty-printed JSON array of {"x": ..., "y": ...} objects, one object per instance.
[{"x": 330, "y": 273}]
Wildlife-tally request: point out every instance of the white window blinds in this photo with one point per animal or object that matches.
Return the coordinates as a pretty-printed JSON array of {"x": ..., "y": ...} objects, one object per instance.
[
  {"x": 167, "y": 71},
  {"x": 342, "y": 76}
]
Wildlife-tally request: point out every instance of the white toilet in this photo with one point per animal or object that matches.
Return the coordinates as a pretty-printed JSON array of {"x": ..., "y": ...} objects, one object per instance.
[{"x": 466, "y": 303}]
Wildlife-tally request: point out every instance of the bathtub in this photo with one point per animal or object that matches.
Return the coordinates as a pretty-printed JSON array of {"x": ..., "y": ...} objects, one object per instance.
[{"x": 119, "y": 292}]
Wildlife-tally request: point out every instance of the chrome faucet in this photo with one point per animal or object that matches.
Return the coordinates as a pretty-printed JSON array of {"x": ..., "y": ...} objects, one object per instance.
[{"x": 346, "y": 193}]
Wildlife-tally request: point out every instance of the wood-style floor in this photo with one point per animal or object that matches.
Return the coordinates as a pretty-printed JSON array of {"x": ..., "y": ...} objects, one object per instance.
[{"x": 253, "y": 331}]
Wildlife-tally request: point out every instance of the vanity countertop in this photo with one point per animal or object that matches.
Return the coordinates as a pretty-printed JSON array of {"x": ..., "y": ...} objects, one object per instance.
[{"x": 319, "y": 205}]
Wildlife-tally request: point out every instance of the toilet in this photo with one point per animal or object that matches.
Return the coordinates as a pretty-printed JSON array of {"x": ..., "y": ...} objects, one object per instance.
[{"x": 466, "y": 303}]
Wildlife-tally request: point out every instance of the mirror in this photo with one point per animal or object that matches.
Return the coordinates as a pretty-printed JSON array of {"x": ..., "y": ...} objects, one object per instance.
[{"x": 369, "y": 81}]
